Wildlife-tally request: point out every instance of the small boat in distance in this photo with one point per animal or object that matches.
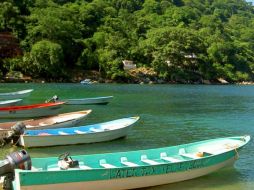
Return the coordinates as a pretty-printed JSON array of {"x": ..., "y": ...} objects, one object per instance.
[
  {"x": 129, "y": 170},
  {"x": 34, "y": 110},
  {"x": 6, "y": 103},
  {"x": 95, "y": 100},
  {"x": 57, "y": 121},
  {"x": 15, "y": 95},
  {"x": 78, "y": 135},
  {"x": 86, "y": 81},
  {"x": 83, "y": 101}
]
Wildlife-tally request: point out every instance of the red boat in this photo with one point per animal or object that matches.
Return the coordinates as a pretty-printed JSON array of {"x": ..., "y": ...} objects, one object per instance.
[{"x": 34, "y": 110}]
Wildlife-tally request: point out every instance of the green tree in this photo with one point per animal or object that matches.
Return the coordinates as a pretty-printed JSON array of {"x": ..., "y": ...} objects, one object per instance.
[
  {"x": 173, "y": 50},
  {"x": 56, "y": 24},
  {"x": 46, "y": 59},
  {"x": 8, "y": 15}
]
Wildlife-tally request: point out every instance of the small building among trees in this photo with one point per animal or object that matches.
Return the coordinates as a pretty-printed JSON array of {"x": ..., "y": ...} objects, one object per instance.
[{"x": 128, "y": 65}]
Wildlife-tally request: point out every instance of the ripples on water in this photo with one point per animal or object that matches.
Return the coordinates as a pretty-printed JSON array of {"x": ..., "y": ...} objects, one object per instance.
[{"x": 170, "y": 115}]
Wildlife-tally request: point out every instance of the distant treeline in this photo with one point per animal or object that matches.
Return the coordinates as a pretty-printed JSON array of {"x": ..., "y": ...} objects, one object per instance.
[{"x": 189, "y": 40}]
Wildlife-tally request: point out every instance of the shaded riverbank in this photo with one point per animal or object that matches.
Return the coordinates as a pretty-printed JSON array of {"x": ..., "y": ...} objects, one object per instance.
[{"x": 134, "y": 76}]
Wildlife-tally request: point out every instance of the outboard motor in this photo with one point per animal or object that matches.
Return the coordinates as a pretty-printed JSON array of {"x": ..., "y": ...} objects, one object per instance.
[
  {"x": 65, "y": 162},
  {"x": 53, "y": 99},
  {"x": 17, "y": 130},
  {"x": 16, "y": 160}
]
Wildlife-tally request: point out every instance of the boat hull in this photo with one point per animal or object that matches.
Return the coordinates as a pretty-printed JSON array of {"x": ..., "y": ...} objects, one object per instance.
[
  {"x": 37, "y": 112},
  {"x": 98, "y": 100},
  {"x": 78, "y": 135},
  {"x": 132, "y": 169},
  {"x": 15, "y": 95},
  {"x": 7, "y": 103},
  {"x": 134, "y": 182},
  {"x": 56, "y": 140},
  {"x": 19, "y": 112},
  {"x": 56, "y": 121}
]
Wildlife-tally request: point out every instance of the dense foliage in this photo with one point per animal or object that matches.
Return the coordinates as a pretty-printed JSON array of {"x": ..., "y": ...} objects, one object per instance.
[{"x": 188, "y": 40}]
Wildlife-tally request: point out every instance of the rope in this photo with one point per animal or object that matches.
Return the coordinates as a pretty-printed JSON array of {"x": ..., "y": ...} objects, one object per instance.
[
  {"x": 16, "y": 142},
  {"x": 236, "y": 154},
  {"x": 228, "y": 146}
]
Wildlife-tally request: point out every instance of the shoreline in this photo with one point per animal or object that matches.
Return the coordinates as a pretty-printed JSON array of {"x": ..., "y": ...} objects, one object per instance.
[
  {"x": 106, "y": 81},
  {"x": 133, "y": 76}
]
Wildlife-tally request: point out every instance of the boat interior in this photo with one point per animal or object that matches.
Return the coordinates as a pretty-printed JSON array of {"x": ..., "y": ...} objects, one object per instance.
[
  {"x": 152, "y": 157},
  {"x": 144, "y": 160},
  {"x": 103, "y": 127}
]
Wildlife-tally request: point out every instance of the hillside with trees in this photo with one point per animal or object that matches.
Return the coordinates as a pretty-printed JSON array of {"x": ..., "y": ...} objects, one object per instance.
[{"x": 181, "y": 40}]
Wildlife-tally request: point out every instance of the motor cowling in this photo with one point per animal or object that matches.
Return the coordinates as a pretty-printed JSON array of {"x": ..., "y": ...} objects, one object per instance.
[
  {"x": 19, "y": 128},
  {"x": 65, "y": 162},
  {"x": 16, "y": 160},
  {"x": 53, "y": 99},
  {"x": 20, "y": 160},
  {"x": 16, "y": 130}
]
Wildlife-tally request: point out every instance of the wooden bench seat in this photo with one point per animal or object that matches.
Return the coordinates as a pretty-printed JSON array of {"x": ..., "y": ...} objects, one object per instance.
[
  {"x": 62, "y": 133},
  {"x": 182, "y": 152},
  {"x": 148, "y": 161},
  {"x": 104, "y": 164},
  {"x": 125, "y": 162},
  {"x": 164, "y": 156},
  {"x": 79, "y": 132}
]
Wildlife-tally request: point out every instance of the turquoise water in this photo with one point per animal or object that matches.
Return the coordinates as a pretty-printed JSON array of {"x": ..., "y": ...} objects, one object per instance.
[{"x": 170, "y": 115}]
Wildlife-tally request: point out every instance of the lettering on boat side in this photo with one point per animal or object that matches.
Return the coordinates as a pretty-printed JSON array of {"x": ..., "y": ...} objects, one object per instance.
[
  {"x": 12, "y": 111},
  {"x": 158, "y": 169}
]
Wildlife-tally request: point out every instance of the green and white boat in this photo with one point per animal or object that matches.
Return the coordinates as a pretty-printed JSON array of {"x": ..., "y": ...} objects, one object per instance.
[{"x": 129, "y": 170}]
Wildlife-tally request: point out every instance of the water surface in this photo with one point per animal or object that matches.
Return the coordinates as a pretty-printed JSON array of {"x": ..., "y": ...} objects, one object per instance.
[{"x": 170, "y": 115}]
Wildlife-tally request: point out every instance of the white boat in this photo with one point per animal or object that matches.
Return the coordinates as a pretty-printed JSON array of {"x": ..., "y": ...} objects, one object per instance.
[
  {"x": 86, "y": 81},
  {"x": 15, "y": 95},
  {"x": 127, "y": 170},
  {"x": 6, "y": 103},
  {"x": 57, "y": 121},
  {"x": 78, "y": 135},
  {"x": 34, "y": 110},
  {"x": 95, "y": 100}
]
